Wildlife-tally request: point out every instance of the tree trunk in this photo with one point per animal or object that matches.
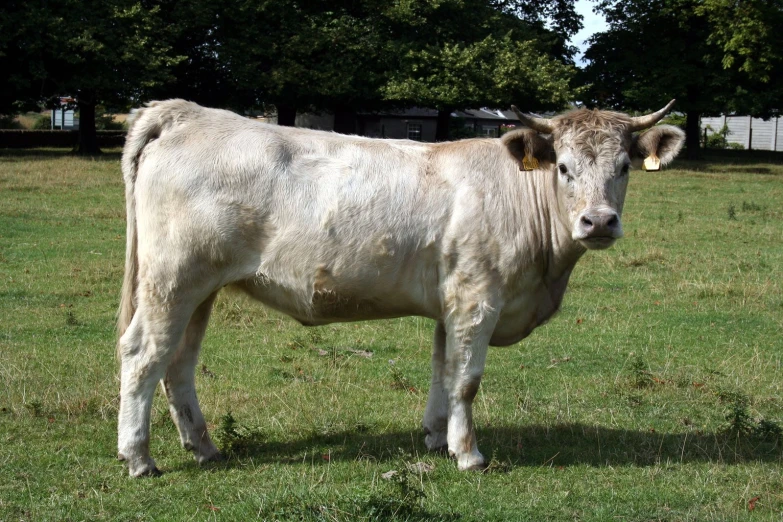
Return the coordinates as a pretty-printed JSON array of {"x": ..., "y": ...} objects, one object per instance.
[
  {"x": 692, "y": 135},
  {"x": 286, "y": 115},
  {"x": 88, "y": 137},
  {"x": 345, "y": 120},
  {"x": 442, "y": 129}
]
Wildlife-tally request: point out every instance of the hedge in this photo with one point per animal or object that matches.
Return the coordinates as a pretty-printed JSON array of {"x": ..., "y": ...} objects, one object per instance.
[{"x": 25, "y": 139}]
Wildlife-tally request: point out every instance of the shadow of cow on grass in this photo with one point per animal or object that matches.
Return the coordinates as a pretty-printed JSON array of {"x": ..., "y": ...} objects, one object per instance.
[{"x": 527, "y": 446}]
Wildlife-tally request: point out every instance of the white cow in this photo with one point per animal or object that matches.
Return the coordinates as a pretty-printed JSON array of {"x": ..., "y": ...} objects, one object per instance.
[{"x": 480, "y": 235}]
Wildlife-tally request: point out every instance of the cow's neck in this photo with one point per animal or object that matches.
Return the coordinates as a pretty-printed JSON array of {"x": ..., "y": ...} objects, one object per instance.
[
  {"x": 543, "y": 257},
  {"x": 558, "y": 251}
]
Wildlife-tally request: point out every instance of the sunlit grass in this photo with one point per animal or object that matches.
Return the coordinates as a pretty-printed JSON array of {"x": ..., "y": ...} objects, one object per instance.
[{"x": 621, "y": 407}]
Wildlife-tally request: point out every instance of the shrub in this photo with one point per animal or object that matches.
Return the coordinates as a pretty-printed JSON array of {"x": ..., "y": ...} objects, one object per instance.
[
  {"x": 21, "y": 139},
  {"x": 459, "y": 130},
  {"x": 678, "y": 120},
  {"x": 719, "y": 139},
  {"x": 106, "y": 122},
  {"x": 9, "y": 122},
  {"x": 641, "y": 377},
  {"x": 43, "y": 122}
]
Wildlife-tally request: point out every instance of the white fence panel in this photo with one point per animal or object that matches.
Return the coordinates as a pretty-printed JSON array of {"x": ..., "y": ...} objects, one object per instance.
[{"x": 749, "y": 132}]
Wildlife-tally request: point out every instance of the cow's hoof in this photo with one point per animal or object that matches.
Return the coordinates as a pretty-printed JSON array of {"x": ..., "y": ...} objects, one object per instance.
[
  {"x": 436, "y": 441},
  {"x": 149, "y": 472},
  {"x": 145, "y": 468},
  {"x": 469, "y": 461},
  {"x": 206, "y": 459}
]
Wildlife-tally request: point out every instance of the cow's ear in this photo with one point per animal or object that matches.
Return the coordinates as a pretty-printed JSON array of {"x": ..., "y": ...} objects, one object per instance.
[
  {"x": 662, "y": 141},
  {"x": 529, "y": 149}
]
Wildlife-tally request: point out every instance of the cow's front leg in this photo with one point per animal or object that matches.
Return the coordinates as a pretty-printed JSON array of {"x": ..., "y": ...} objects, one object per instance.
[
  {"x": 468, "y": 330},
  {"x": 436, "y": 415}
]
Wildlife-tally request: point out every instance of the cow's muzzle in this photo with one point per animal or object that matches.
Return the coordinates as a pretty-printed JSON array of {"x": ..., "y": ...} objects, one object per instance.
[{"x": 598, "y": 228}]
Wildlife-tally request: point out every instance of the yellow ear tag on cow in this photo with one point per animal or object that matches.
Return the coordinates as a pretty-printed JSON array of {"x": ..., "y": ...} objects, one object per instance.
[
  {"x": 652, "y": 163},
  {"x": 529, "y": 163}
]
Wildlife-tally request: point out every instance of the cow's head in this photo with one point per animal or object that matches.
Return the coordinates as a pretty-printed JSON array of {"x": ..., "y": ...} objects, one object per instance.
[{"x": 590, "y": 153}]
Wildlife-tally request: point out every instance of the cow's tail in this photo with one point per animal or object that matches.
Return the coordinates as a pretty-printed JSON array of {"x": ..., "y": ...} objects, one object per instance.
[{"x": 145, "y": 126}]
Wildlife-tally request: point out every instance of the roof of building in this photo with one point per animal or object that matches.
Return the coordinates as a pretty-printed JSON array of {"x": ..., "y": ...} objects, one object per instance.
[{"x": 483, "y": 113}]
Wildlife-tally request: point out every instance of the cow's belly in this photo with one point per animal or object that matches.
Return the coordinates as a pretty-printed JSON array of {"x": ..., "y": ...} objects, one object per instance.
[
  {"x": 335, "y": 304},
  {"x": 346, "y": 285}
]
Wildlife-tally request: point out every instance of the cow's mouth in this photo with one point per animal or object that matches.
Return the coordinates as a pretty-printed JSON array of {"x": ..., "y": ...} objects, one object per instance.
[{"x": 598, "y": 242}]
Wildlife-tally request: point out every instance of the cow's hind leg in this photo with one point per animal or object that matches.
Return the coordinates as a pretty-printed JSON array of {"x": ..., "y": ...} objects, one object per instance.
[
  {"x": 146, "y": 348},
  {"x": 180, "y": 389},
  {"x": 437, "y": 412}
]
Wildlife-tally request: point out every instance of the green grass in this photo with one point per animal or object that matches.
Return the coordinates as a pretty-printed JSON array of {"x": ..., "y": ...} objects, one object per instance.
[{"x": 654, "y": 395}]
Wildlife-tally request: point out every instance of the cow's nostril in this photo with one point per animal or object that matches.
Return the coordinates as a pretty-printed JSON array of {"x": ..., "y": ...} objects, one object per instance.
[
  {"x": 586, "y": 221},
  {"x": 613, "y": 221}
]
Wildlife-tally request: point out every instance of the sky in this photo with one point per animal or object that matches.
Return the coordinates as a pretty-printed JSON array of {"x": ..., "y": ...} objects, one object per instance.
[{"x": 593, "y": 23}]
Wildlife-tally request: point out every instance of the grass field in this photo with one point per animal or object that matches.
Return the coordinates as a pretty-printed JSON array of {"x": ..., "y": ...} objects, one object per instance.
[{"x": 656, "y": 394}]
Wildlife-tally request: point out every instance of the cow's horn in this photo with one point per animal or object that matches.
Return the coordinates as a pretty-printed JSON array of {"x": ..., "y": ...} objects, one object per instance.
[
  {"x": 647, "y": 121},
  {"x": 541, "y": 125}
]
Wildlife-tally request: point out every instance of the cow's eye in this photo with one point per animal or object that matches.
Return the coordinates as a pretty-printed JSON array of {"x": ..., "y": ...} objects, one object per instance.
[
  {"x": 624, "y": 170},
  {"x": 564, "y": 172}
]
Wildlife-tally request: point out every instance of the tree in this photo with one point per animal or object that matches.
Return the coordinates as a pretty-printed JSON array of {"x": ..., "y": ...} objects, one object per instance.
[
  {"x": 342, "y": 56},
  {"x": 661, "y": 49},
  {"x": 352, "y": 55},
  {"x": 748, "y": 32},
  {"x": 459, "y": 54},
  {"x": 22, "y": 42},
  {"x": 94, "y": 50},
  {"x": 306, "y": 55}
]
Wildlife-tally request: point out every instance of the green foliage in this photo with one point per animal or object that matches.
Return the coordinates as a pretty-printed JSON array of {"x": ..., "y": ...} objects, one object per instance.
[
  {"x": 35, "y": 407},
  {"x": 676, "y": 119},
  {"x": 740, "y": 421},
  {"x": 107, "y": 122},
  {"x": 458, "y": 130},
  {"x": 767, "y": 429},
  {"x": 341, "y": 57},
  {"x": 751, "y": 207},
  {"x": 720, "y": 139},
  {"x": 714, "y": 57},
  {"x": 42, "y": 122},
  {"x": 398, "y": 379},
  {"x": 110, "y": 51},
  {"x": 749, "y": 35},
  {"x": 404, "y": 501},
  {"x": 640, "y": 375},
  {"x": 482, "y": 57},
  {"x": 738, "y": 417},
  {"x": 490, "y": 72},
  {"x": 732, "y": 212},
  {"x": 717, "y": 139},
  {"x": 399, "y": 498},
  {"x": 236, "y": 440},
  {"x": 9, "y": 122}
]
